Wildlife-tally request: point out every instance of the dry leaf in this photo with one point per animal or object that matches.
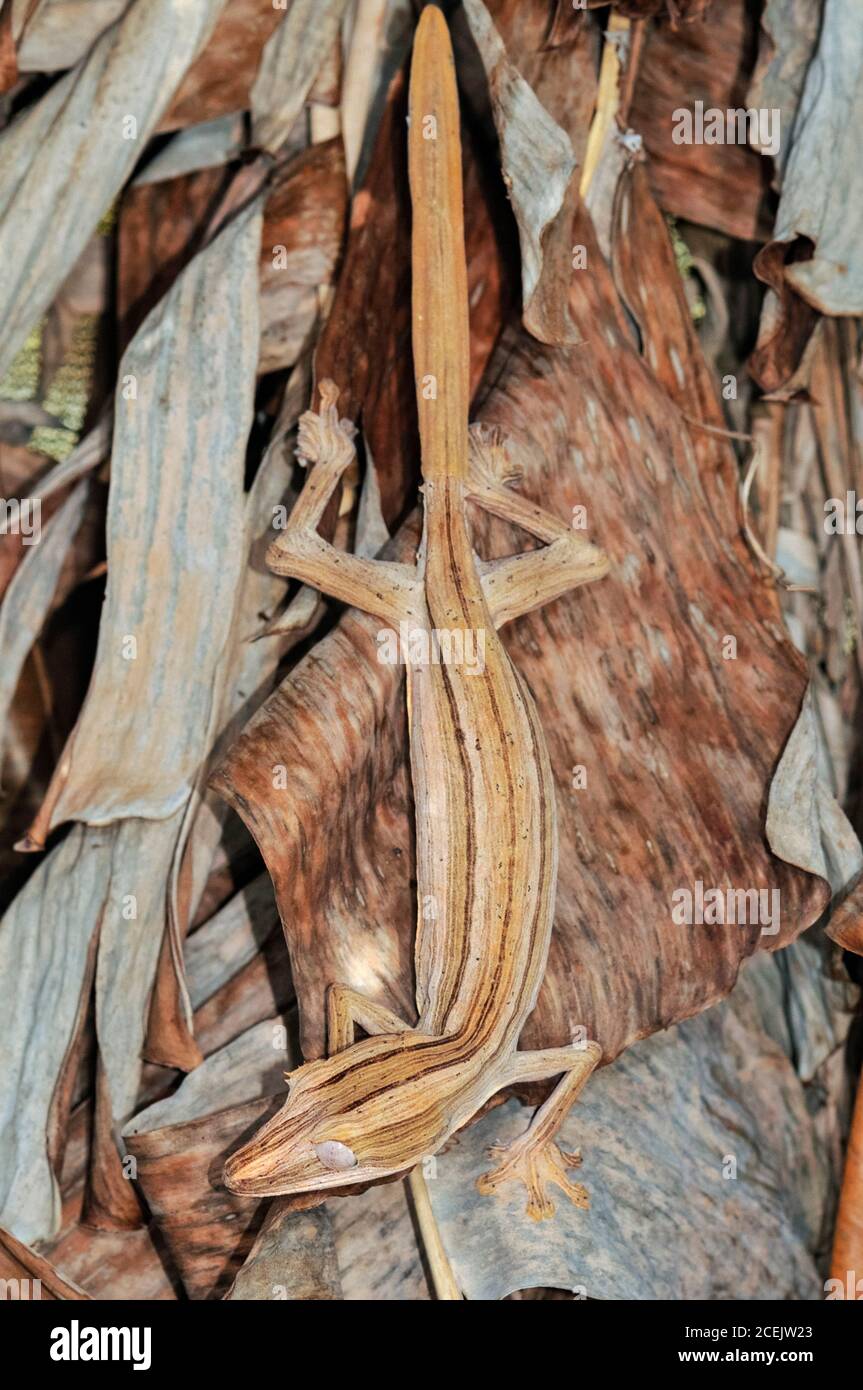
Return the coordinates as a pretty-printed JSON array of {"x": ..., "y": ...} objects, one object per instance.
[{"x": 66, "y": 158}]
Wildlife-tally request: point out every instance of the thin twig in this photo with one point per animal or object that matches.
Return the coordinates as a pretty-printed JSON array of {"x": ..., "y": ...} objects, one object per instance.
[
  {"x": 755, "y": 545},
  {"x": 717, "y": 429},
  {"x": 444, "y": 1281}
]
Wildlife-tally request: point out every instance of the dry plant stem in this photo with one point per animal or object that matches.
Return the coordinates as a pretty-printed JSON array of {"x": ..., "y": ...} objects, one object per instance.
[
  {"x": 769, "y": 428},
  {"x": 444, "y": 1281},
  {"x": 752, "y": 540},
  {"x": 607, "y": 101},
  {"x": 486, "y": 829}
]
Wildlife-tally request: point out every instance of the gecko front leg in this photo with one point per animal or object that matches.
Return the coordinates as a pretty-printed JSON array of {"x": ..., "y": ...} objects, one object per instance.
[
  {"x": 383, "y": 588},
  {"x": 520, "y": 583},
  {"x": 534, "y": 1158},
  {"x": 348, "y": 1010}
]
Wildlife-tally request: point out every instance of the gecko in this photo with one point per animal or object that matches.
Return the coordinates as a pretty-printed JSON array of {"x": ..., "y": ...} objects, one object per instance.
[{"x": 486, "y": 834}]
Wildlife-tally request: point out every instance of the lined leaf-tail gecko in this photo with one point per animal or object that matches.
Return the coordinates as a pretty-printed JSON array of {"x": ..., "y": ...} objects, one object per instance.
[{"x": 485, "y": 799}]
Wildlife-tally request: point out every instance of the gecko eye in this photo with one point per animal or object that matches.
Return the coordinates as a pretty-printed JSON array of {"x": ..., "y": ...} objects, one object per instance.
[{"x": 334, "y": 1155}]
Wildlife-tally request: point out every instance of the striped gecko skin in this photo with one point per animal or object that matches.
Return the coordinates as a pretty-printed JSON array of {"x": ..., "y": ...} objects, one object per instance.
[{"x": 484, "y": 793}]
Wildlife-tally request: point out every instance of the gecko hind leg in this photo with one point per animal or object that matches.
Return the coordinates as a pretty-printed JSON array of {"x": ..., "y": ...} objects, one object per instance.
[{"x": 534, "y": 1158}]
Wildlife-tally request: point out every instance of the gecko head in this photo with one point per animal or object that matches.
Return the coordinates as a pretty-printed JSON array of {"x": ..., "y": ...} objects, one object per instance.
[{"x": 356, "y": 1117}]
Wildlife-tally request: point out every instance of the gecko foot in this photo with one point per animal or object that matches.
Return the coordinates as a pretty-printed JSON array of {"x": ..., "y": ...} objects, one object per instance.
[
  {"x": 322, "y": 437},
  {"x": 489, "y": 461},
  {"x": 538, "y": 1166}
]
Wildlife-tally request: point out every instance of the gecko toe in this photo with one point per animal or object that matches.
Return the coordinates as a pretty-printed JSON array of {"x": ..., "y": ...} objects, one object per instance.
[{"x": 539, "y": 1167}]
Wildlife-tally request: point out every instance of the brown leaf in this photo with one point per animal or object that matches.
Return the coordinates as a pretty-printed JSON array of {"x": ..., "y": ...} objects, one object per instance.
[
  {"x": 723, "y": 186},
  {"x": 221, "y": 78},
  {"x": 8, "y": 56},
  {"x": 304, "y": 226},
  {"x": 293, "y": 1257}
]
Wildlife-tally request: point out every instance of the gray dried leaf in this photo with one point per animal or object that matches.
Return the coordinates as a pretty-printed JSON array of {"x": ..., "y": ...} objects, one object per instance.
[
  {"x": 806, "y": 825},
  {"x": 206, "y": 146},
  {"x": 248, "y": 1068},
  {"x": 130, "y": 939},
  {"x": 290, "y": 63},
  {"x": 822, "y": 187},
  {"x": 230, "y": 939},
  {"x": 293, "y": 1257},
  {"x": 789, "y": 34},
  {"x": 538, "y": 162},
  {"x": 718, "y": 1141},
  {"x": 66, "y": 158},
  {"x": 59, "y": 33},
  {"x": 175, "y": 513},
  {"x": 46, "y": 940}
]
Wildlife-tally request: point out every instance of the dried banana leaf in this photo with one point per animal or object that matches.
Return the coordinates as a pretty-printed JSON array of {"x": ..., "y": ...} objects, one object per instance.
[
  {"x": 718, "y": 185},
  {"x": 66, "y": 158}
]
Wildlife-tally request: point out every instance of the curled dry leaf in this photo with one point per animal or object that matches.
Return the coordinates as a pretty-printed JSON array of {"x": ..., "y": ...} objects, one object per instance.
[
  {"x": 812, "y": 262},
  {"x": 289, "y": 65},
  {"x": 537, "y": 161},
  {"x": 184, "y": 518},
  {"x": 164, "y": 522},
  {"x": 180, "y": 1145},
  {"x": 846, "y": 925}
]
